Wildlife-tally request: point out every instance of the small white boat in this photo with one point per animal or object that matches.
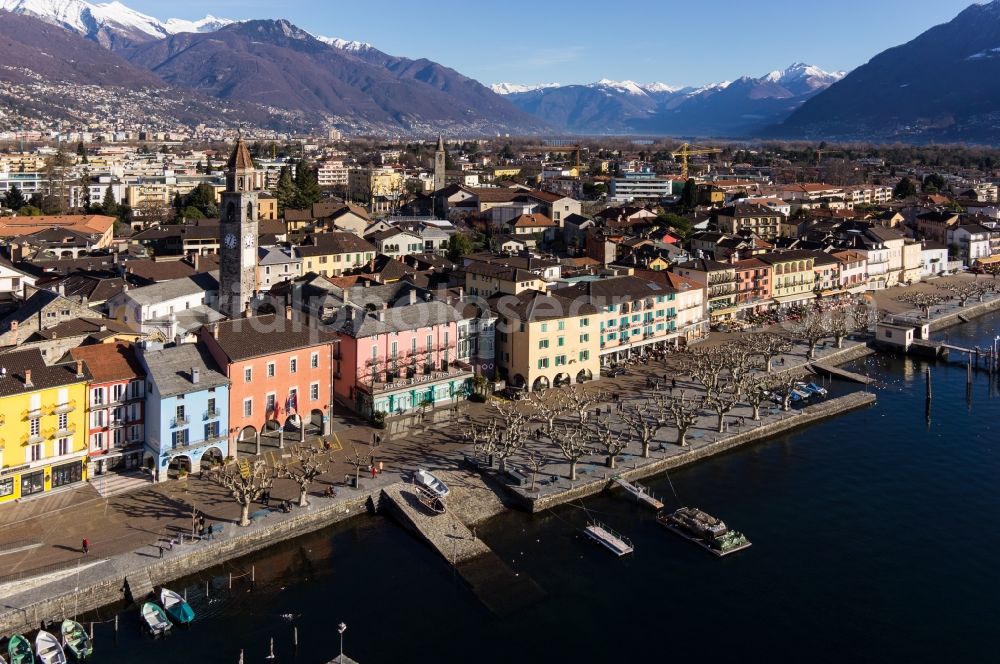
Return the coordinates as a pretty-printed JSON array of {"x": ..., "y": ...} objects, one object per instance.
[
  {"x": 177, "y": 608},
  {"x": 48, "y": 649},
  {"x": 156, "y": 620},
  {"x": 429, "y": 481}
]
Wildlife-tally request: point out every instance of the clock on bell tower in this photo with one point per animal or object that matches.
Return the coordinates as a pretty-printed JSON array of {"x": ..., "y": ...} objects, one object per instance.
[{"x": 238, "y": 231}]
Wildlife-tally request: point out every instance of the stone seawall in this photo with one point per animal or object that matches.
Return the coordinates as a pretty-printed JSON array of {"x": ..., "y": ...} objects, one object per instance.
[
  {"x": 970, "y": 311},
  {"x": 808, "y": 415},
  {"x": 105, "y": 585}
]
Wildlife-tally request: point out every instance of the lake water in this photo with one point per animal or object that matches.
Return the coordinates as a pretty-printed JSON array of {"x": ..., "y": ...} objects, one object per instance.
[{"x": 874, "y": 539}]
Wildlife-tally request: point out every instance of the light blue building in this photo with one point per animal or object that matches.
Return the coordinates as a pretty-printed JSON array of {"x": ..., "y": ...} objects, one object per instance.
[{"x": 187, "y": 410}]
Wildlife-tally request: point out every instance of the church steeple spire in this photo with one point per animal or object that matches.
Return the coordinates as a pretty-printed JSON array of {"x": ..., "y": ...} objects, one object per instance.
[{"x": 240, "y": 169}]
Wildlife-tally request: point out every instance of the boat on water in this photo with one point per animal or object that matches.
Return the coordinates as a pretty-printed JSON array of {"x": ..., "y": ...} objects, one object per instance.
[
  {"x": 76, "y": 640},
  {"x": 704, "y": 530},
  {"x": 48, "y": 649},
  {"x": 176, "y": 607},
  {"x": 811, "y": 389},
  {"x": 609, "y": 539},
  {"x": 155, "y": 619},
  {"x": 19, "y": 650}
]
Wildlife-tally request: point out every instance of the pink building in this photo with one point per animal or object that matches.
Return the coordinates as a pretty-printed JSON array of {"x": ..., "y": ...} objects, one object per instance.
[{"x": 394, "y": 360}]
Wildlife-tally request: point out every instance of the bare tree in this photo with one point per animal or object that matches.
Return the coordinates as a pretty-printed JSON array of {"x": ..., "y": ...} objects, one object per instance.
[
  {"x": 758, "y": 389},
  {"x": 513, "y": 435},
  {"x": 841, "y": 324},
  {"x": 767, "y": 345},
  {"x": 357, "y": 459},
  {"x": 572, "y": 442},
  {"x": 535, "y": 461},
  {"x": 684, "y": 412},
  {"x": 813, "y": 328},
  {"x": 863, "y": 316},
  {"x": 722, "y": 402},
  {"x": 484, "y": 439},
  {"x": 246, "y": 481},
  {"x": 922, "y": 300},
  {"x": 705, "y": 366},
  {"x": 303, "y": 468},
  {"x": 613, "y": 441},
  {"x": 784, "y": 385},
  {"x": 579, "y": 401},
  {"x": 547, "y": 406},
  {"x": 645, "y": 421}
]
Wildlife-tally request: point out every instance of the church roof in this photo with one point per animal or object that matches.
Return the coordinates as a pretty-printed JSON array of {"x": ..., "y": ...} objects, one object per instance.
[{"x": 240, "y": 158}]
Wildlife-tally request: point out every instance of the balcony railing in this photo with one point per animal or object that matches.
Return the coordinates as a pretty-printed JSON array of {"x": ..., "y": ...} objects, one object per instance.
[
  {"x": 212, "y": 414},
  {"x": 180, "y": 421},
  {"x": 67, "y": 407},
  {"x": 33, "y": 439}
]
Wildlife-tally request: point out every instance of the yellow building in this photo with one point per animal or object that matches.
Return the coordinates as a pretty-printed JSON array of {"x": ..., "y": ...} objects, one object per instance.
[
  {"x": 793, "y": 275},
  {"x": 43, "y": 427},
  {"x": 331, "y": 254},
  {"x": 506, "y": 172},
  {"x": 381, "y": 189},
  {"x": 546, "y": 340}
]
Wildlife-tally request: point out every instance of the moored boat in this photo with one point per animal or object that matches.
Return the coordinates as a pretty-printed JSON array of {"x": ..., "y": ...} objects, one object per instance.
[
  {"x": 704, "y": 530},
  {"x": 76, "y": 640},
  {"x": 155, "y": 619},
  {"x": 177, "y": 608},
  {"x": 19, "y": 650},
  {"x": 48, "y": 649}
]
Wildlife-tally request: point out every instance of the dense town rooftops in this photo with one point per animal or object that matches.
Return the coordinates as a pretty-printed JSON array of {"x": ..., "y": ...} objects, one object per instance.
[
  {"x": 534, "y": 306},
  {"x": 175, "y": 288},
  {"x": 87, "y": 224},
  {"x": 257, "y": 336},
  {"x": 109, "y": 362}
]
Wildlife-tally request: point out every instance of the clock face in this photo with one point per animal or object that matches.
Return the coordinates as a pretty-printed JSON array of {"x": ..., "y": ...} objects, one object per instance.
[
  {"x": 230, "y": 240},
  {"x": 249, "y": 241}
]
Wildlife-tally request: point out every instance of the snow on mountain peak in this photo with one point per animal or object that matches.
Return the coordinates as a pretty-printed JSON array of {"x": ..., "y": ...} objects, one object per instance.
[
  {"x": 84, "y": 17},
  {"x": 802, "y": 74},
  {"x": 630, "y": 87},
  {"x": 208, "y": 24},
  {"x": 659, "y": 87},
  {"x": 514, "y": 88},
  {"x": 345, "y": 44}
]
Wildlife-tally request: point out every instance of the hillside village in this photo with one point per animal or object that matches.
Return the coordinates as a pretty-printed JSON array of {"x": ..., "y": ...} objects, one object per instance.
[{"x": 168, "y": 304}]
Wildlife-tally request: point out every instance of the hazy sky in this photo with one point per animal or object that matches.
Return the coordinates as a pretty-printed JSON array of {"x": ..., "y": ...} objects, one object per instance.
[{"x": 689, "y": 42}]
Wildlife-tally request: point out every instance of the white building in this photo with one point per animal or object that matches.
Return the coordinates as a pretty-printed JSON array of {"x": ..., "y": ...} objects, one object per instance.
[
  {"x": 640, "y": 185},
  {"x": 933, "y": 259}
]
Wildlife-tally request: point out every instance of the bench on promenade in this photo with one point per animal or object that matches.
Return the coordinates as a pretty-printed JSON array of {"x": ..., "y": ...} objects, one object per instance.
[
  {"x": 516, "y": 477},
  {"x": 259, "y": 514}
]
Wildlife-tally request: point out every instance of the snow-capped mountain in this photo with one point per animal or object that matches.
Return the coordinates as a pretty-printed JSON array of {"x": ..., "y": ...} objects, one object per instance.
[
  {"x": 111, "y": 24},
  {"x": 727, "y": 108}
]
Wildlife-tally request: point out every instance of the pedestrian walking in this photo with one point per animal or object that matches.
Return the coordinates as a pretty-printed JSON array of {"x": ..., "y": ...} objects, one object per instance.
[
  {"x": 381, "y": 466},
  {"x": 85, "y": 546},
  {"x": 673, "y": 383},
  {"x": 265, "y": 497},
  {"x": 374, "y": 472}
]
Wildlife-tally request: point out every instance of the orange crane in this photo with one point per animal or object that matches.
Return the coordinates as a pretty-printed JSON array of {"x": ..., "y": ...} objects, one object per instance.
[{"x": 687, "y": 150}]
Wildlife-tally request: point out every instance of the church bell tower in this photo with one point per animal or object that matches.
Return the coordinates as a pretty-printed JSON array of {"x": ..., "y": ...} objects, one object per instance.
[{"x": 238, "y": 234}]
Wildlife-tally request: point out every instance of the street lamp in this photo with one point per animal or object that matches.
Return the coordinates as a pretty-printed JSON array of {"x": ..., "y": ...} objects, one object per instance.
[{"x": 341, "y": 628}]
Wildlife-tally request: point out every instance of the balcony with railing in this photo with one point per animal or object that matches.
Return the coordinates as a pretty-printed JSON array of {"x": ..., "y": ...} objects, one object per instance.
[
  {"x": 212, "y": 414},
  {"x": 180, "y": 421},
  {"x": 64, "y": 408}
]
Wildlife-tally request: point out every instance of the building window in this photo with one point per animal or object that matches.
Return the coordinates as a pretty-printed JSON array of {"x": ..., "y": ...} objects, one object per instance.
[
  {"x": 293, "y": 365},
  {"x": 7, "y": 487},
  {"x": 314, "y": 360},
  {"x": 35, "y": 426},
  {"x": 270, "y": 401},
  {"x": 180, "y": 438},
  {"x": 545, "y": 327},
  {"x": 562, "y": 341},
  {"x": 543, "y": 363},
  {"x": 584, "y": 355},
  {"x": 314, "y": 392},
  {"x": 37, "y": 452},
  {"x": 247, "y": 407},
  {"x": 584, "y": 338},
  {"x": 560, "y": 360},
  {"x": 584, "y": 322},
  {"x": 212, "y": 412},
  {"x": 270, "y": 369},
  {"x": 32, "y": 483},
  {"x": 212, "y": 430},
  {"x": 293, "y": 399},
  {"x": 63, "y": 446},
  {"x": 543, "y": 343},
  {"x": 248, "y": 375}
]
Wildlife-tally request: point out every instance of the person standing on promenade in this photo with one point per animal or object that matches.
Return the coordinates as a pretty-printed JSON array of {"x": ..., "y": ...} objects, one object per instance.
[{"x": 85, "y": 546}]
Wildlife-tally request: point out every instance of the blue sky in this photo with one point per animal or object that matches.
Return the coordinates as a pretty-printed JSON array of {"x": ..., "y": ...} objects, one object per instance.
[{"x": 677, "y": 42}]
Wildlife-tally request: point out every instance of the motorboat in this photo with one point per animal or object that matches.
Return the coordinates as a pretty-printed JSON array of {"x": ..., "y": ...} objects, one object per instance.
[
  {"x": 48, "y": 649},
  {"x": 176, "y": 607},
  {"x": 155, "y": 619},
  {"x": 429, "y": 481},
  {"x": 812, "y": 388},
  {"x": 19, "y": 650},
  {"x": 76, "y": 640}
]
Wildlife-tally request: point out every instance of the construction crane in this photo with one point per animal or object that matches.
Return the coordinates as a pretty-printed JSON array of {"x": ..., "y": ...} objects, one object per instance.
[{"x": 687, "y": 150}]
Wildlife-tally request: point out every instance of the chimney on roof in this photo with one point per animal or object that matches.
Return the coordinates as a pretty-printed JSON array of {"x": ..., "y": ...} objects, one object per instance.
[
  {"x": 79, "y": 368},
  {"x": 27, "y": 378},
  {"x": 413, "y": 296},
  {"x": 195, "y": 261},
  {"x": 195, "y": 375},
  {"x": 350, "y": 313},
  {"x": 215, "y": 330},
  {"x": 288, "y": 311},
  {"x": 461, "y": 293},
  {"x": 380, "y": 314},
  {"x": 62, "y": 290}
]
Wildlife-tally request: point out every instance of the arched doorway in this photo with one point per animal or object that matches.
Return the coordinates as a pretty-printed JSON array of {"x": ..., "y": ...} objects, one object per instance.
[
  {"x": 177, "y": 465},
  {"x": 562, "y": 379},
  {"x": 584, "y": 375},
  {"x": 265, "y": 309},
  {"x": 315, "y": 425},
  {"x": 272, "y": 434},
  {"x": 541, "y": 383},
  {"x": 248, "y": 434},
  {"x": 293, "y": 423},
  {"x": 518, "y": 381},
  {"x": 212, "y": 457}
]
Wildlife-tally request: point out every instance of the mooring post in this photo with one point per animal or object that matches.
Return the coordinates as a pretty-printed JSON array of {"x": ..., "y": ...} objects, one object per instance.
[
  {"x": 968, "y": 373},
  {"x": 295, "y": 637},
  {"x": 928, "y": 383},
  {"x": 116, "y": 629}
]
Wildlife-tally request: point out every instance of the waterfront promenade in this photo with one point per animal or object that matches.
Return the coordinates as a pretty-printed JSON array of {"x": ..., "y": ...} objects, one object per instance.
[{"x": 125, "y": 530}]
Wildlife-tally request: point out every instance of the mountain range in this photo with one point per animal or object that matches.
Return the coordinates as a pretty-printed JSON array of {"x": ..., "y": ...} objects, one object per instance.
[
  {"x": 941, "y": 86},
  {"x": 743, "y": 107},
  {"x": 269, "y": 72}
]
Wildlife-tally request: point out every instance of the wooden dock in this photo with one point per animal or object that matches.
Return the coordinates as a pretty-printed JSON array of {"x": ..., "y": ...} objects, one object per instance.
[
  {"x": 609, "y": 539},
  {"x": 827, "y": 370},
  {"x": 640, "y": 492}
]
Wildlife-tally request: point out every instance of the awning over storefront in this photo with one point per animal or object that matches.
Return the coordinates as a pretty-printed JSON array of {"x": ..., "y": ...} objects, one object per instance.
[{"x": 798, "y": 297}]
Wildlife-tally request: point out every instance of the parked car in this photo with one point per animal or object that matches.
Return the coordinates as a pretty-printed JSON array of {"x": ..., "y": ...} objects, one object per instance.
[
  {"x": 615, "y": 371},
  {"x": 511, "y": 393},
  {"x": 429, "y": 481}
]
